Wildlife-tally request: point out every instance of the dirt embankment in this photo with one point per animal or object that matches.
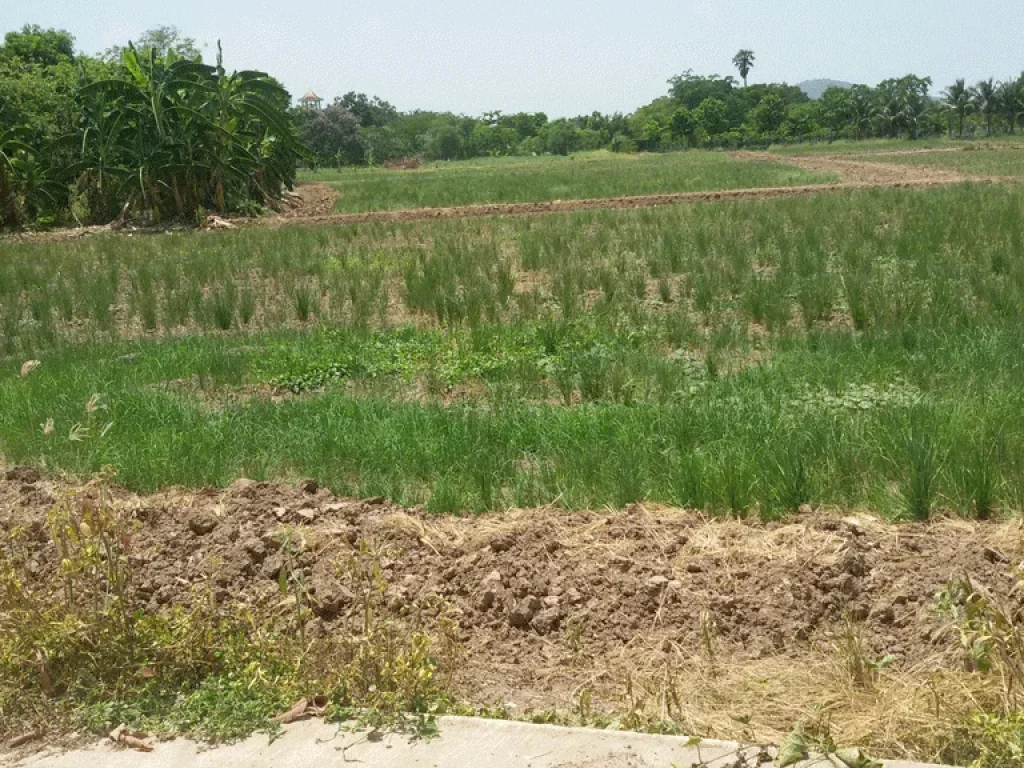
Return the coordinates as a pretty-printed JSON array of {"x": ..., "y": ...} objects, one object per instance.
[{"x": 551, "y": 603}]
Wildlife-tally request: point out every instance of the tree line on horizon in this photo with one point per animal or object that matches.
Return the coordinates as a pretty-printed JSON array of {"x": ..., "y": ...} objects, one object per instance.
[
  {"x": 152, "y": 131},
  {"x": 698, "y": 111}
]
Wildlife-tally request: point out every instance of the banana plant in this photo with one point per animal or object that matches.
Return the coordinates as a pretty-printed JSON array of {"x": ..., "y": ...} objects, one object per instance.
[
  {"x": 11, "y": 146},
  {"x": 170, "y": 136}
]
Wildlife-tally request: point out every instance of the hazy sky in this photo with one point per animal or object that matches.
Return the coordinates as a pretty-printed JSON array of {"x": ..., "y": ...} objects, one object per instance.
[{"x": 563, "y": 57}]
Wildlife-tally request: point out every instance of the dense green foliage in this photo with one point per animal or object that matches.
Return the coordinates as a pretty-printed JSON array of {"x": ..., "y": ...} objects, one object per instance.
[
  {"x": 697, "y": 111},
  {"x": 143, "y": 131}
]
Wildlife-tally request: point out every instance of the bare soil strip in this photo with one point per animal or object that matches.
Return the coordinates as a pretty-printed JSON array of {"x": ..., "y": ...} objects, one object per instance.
[
  {"x": 732, "y": 629},
  {"x": 854, "y": 175}
]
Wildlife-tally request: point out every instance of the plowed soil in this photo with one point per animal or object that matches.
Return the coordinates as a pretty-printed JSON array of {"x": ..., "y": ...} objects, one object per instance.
[{"x": 633, "y": 609}]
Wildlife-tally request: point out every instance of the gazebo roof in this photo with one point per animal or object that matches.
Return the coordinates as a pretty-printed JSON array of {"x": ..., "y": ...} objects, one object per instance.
[{"x": 310, "y": 96}]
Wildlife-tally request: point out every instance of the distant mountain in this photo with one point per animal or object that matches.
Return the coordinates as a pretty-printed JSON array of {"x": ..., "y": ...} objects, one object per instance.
[{"x": 815, "y": 88}]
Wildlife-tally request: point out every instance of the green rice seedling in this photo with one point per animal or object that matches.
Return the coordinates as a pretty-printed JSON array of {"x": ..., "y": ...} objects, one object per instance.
[
  {"x": 621, "y": 387},
  {"x": 518, "y": 179},
  {"x": 815, "y": 297},
  {"x": 565, "y": 289},
  {"x": 758, "y": 298},
  {"x": 792, "y": 478},
  {"x": 101, "y": 299},
  {"x": 304, "y": 301},
  {"x": 10, "y": 327},
  {"x": 856, "y": 288},
  {"x": 565, "y": 379},
  {"x": 177, "y": 307},
  {"x": 593, "y": 371},
  {"x": 736, "y": 482},
  {"x": 506, "y": 284},
  {"x": 705, "y": 290},
  {"x": 64, "y": 299},
  {"x": 446, "y": 496},
  {"x": 688, "y": 483},
  {"x": 627, "y": 471},
  {"x": 918, "y": 484},
  {"x": 246, "y": 305},
  {"x": 40, "y": 307},
  {"x": 148, "y": 309},
  {"x": 680, "y": 329},
  {"x": 977, "y": 471},
  {"x": 222, "y": 306},
  {"x": 665, "y": 291}
]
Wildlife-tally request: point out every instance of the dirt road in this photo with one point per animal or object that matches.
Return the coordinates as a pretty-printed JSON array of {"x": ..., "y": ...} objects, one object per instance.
[{"x": 314, "y": 201}]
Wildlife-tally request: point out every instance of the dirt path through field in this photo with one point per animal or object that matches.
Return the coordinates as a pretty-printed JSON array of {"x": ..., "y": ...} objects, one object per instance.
[
  {"x": 860, "y": 171},
  {"x": 659, "y": 612},
  {"x": 854, "y": 174},
  {"x": 313, "y": 203}
]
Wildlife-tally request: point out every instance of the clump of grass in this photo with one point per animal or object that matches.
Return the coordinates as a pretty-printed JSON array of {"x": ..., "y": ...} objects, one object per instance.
[
  {"x": 246, "y": 305},
  {"x": 222, "y": 306},
  {"x": 305, "y": 299}
]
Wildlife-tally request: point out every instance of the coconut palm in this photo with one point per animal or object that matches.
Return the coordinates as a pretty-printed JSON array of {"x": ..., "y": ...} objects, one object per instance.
[
  {"x": 985, "y": 96},
  {"x": 958, "y": 97},
  {"x": 887, "y": 114},
  {"x": 861, "y": 110},
  {"x": 914, "y": 112},
  {"x": 744, "y": 62},
  {"x": 1010, "y": 95}
]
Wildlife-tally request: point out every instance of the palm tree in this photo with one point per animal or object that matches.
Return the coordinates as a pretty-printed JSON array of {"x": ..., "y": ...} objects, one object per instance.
[
  {"x": 986, "y": 100},
  {"x": 887, "y": 112},
  {"x": 1010, "y": 95},
  {"x": 861, "y": 110},
  {"x": 914, "y": 113},
  {"x": 744, "y": 62},
  {"x": 958, "y": 97}
]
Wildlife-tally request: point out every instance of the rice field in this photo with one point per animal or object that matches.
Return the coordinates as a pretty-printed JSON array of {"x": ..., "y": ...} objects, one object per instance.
[
  {"x": 861, "y": 350},
  {"x": 871, "y": 146},
  {"x": 979, "y": 162},
  {"x": 540, "y": 179}
]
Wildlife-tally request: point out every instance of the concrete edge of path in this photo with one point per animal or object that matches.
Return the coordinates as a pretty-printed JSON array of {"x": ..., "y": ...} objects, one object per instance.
[{"x": 463, "y": 743}]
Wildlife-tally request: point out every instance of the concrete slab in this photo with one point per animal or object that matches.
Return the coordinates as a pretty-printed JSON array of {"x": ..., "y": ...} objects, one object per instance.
[{"x": 463, "y": 743}]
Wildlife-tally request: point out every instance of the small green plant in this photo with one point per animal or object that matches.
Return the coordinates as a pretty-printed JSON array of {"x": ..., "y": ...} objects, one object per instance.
[
  {"x": 246, "y": 305},
  {"x": 304, "y": 297},
  {"x": 222, "y": 306},
  {"x": 853, "y": 652}
]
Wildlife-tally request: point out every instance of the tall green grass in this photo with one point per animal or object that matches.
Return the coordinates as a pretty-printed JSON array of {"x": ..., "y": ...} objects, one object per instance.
[{"x": 858, "y": 350}]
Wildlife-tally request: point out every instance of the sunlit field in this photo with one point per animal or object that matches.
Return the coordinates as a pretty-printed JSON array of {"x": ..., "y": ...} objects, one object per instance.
[
  {"x": 854, "y": 350},
  {"x": 535, "y": 179},
  {"x": 980, "y": 162}
]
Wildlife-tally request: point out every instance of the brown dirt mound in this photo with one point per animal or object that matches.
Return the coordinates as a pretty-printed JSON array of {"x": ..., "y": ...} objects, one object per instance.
[
  {"x": 551, "y": 603},
  {"x": 308, "y": 200}
]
